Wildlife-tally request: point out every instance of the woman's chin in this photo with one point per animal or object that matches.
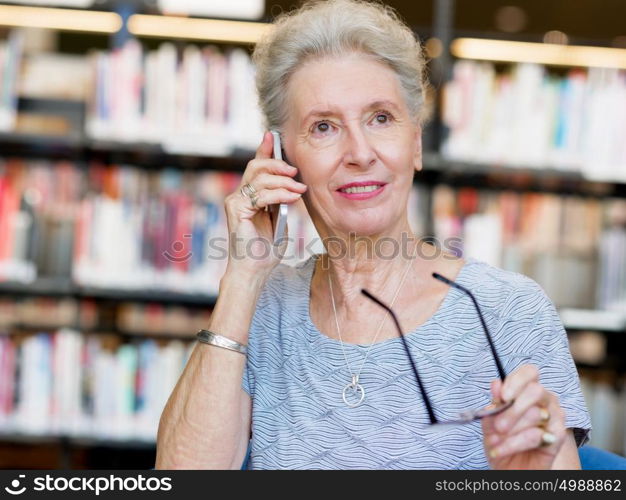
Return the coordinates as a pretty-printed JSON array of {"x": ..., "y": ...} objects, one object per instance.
[{"x": 359, "y": 227}]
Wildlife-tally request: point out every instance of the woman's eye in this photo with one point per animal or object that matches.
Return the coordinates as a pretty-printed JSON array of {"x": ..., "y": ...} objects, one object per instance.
[
  {"x": 382, "y": 117},
  {"x": 321, "y": 127}
]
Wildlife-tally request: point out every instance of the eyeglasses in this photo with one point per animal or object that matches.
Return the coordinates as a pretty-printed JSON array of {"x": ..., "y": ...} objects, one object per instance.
[{"x": 468, "y": 415}]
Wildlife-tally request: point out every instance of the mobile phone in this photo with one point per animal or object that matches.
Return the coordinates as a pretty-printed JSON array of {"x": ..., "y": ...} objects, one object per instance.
[{"x": 278, "y": 211}]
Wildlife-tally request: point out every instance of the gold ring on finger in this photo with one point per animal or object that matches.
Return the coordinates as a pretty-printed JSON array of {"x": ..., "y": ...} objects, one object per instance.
[
  {"x": 547, "y": 439},
  {"x": 544, "y": 415},
  {"x": 248, "y": 190}
]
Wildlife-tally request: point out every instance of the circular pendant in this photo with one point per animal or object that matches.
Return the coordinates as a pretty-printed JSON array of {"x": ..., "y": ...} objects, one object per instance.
[{"x": 353, "y": 393}]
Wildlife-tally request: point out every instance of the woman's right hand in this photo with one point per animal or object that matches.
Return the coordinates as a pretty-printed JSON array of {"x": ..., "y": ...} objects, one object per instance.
[{"x": 251, "y": 236}]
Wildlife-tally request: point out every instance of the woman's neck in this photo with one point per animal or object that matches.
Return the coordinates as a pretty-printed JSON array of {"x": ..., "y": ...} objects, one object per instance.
[{"x": 377, "y": 265}]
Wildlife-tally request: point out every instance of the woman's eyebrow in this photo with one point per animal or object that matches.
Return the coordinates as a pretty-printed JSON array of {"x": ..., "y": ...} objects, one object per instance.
[
  {"x": 383, "y": 104},
  {"x": 318, "y": 113},
  {"x": 323, "y": 113}
]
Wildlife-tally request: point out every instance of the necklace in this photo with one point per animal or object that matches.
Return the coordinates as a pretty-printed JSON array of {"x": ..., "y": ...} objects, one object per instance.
[{"x": 354, "y": 386}]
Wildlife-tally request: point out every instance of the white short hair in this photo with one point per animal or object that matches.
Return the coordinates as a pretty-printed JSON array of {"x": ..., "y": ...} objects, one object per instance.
[{"x": 332, "y": 28}]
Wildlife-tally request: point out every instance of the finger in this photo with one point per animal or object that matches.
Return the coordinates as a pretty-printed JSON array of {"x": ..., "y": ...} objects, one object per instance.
[
  {"x": 490, "y": 434},
  {"x": 274, "y": 196},
  {"x": 269, "y": 165},
  {"x": 532, "y": 394},
  {"x": 266, "y": 148},
  {"x": 555, "y": 425},
  {"x": 535, "y": 416},
  {"x": 533, "y": 420},
  {"x": 556, "y": 413},
  {"x": 488, "y": 422},
  {"x": 517, "y": 380},
  {"x": 270, "y": 181},
  {"x": 528, "y": 439},
  {"x": 496, "y": 390}
]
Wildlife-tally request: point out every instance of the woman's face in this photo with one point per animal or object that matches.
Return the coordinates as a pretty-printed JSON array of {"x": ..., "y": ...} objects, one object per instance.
[{"x": 348, "y": 123}]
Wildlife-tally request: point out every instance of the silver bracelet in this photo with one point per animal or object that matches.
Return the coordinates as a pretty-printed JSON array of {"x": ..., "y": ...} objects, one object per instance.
[{"x": 209, "y": 337}]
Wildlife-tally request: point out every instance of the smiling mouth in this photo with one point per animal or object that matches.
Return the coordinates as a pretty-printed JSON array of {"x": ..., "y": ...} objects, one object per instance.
[{"x": 360, "y": 189}]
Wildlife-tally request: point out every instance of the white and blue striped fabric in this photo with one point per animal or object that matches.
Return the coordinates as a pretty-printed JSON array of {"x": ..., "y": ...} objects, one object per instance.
[{"x": 295, "y": 375}]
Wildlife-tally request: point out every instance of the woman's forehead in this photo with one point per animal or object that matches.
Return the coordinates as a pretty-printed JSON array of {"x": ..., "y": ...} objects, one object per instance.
[{"x": 341, "y": 84}]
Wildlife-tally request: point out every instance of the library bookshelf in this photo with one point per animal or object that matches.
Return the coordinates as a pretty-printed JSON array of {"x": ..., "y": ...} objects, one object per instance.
[{"x": 122, "y": 329}]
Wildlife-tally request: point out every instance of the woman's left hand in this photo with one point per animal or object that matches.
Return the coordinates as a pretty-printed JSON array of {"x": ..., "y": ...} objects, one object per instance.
[{"x": 530, "y": 433}]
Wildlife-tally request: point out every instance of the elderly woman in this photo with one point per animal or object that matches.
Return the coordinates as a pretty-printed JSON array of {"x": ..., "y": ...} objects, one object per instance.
[{"x": 303, "y": 369}]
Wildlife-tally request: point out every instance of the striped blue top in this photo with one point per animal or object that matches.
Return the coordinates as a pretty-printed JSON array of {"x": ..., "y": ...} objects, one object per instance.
[{"x": 295, "y": 376}]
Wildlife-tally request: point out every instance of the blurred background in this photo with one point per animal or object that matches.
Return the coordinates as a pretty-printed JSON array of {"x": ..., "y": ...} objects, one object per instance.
[{"x": 123, "y": 125}]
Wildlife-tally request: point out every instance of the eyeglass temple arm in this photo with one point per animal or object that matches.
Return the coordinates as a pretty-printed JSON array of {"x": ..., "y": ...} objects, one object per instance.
[
  {"x": 447, "y": 281},
  {"x": 429, "y": 409}
]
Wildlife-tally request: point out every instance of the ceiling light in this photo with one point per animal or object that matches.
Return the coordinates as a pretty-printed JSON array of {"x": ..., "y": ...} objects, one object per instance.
[
  {"x": 539, "y": 53},
  {"x": 196, "y": 29},
  {"x": 60, "y": 19}
]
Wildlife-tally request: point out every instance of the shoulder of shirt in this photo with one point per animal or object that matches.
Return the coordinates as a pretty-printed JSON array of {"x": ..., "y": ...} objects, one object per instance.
[
  {"x": 280, "y": 300},
  {"x": 287, "y": 281},
  {"x": 503, "y": 290}
]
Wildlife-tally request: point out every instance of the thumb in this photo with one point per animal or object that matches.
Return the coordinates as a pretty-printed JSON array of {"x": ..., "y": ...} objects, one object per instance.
[
  {"x": 266, "y": 147},
  {"x": 496, "y": 390},
  {"x": 488, "y": 422}
]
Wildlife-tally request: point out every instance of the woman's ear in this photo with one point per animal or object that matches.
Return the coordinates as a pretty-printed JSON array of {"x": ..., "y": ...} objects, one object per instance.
[{"x": 417, "y": 153}]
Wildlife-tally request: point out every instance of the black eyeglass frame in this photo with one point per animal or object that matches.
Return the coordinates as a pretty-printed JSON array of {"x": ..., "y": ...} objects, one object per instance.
[{"x": 470, "y": 415}]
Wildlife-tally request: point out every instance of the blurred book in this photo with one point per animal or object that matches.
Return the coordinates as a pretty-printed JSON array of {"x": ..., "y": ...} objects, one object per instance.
[
  {"x": 197, "y": 101},
  {"x": 606, "y": 402},
  {"x": 48, "y": 75},
  {"x": 39, "y": 312},
  {"x": 38, "y": 200},
  {"x": 611, "y": 293},
  {"x": 201, "y": 101},
  {"x": 529, "y": 117},
  {"x": 68, "y": 383},
  {"x": 10, "y": 63},
  {"x": 124, "y": 227},
  {"x": 555, "y": 240},
  {"x": 40, "y": 124},
  {"x": 161, "y": 319}
]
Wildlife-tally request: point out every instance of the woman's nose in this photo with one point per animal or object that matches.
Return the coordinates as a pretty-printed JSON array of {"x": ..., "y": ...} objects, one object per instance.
[{"x": 359, "y": 150}]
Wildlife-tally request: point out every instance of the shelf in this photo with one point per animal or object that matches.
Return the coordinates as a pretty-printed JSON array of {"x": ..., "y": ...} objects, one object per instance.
[
  {"x": 31, "y": 328},
  {"x": 460, "y": 173},
  {"x": 436, "y": 168},
  {"x": 145, "y": 335},
  {"x": 573, "y": 319},
  {"x": 77, "y": 148},
  {"x": 42, "y": 286},
  {"x": 65, "y": 288},
  {"x": 595, "y": 320},
  {"x": 40, "y": 146},
  {"x": 48, "y": 105},
  {"x": 122, "y": 295},
  {"x": 78, "y": 440}
]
